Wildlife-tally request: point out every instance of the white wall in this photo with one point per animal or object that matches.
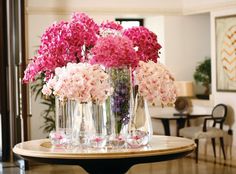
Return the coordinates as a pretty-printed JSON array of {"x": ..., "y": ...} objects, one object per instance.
[
  {"x": 187, "y": 42},
  {"x": 228, "y": 98},
  {"x": 156, "y": 24}
]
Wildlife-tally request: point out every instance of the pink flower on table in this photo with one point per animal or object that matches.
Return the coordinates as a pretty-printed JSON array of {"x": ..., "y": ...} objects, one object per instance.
[
  {"x": 114, "y": 51},
  {"x": 58, "y": 136},
  {"x": 136, "y": 137},
  {"x": 145, "y": 41}
]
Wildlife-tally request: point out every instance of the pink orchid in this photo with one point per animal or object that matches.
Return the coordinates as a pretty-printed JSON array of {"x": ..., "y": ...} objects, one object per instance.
[
  {"x": 155, "y": 83},
  {"x": 145, "y": 41},
  {"x": 80, "y": 81}
]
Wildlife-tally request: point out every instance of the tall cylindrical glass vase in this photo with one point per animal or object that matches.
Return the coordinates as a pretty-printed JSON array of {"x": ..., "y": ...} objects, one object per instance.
[
  {"x": 63, "y": 122},
  {"x": 121, "y": 104}
]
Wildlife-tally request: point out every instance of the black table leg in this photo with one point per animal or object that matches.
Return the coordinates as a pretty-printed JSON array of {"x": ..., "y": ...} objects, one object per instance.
[
  {"x": 110, "y": 167},
  {"x": 166, "y": 125},
  {"x": 180, "y": 123}
]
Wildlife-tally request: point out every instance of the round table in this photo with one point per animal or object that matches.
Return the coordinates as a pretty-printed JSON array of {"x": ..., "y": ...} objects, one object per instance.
[{"x": 106, "y": 161}]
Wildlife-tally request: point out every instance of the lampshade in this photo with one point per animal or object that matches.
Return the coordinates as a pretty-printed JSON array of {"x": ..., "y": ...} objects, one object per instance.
[{"x": 184, "y": 88}]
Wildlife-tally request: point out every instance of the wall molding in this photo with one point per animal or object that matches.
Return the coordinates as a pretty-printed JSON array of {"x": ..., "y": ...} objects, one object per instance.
[
  {"x": 68, "y": 10},
  {"x": 185, "y": 10},
  {"x": 204, "y": 8}
]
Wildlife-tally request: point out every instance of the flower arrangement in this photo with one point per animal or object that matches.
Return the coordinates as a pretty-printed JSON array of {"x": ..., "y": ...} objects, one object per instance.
[
  {"x": 74, "y": 54},
  {"x": 155, "y": 83},
  {"x": 82, "y": 82}
]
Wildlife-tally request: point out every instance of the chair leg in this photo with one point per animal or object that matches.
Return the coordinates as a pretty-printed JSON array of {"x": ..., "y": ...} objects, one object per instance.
[
  {"x": 222, "y": 146},
  {"x": 213, "y": 142},
  {"x": 196, "y": 150}
]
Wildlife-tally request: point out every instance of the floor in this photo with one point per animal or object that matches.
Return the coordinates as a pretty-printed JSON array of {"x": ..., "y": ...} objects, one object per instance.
[{"x": 181, "y": 166}]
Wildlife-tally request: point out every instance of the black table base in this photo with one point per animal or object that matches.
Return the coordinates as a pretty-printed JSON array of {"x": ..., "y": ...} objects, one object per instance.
[{"x": 108, "y": 166}]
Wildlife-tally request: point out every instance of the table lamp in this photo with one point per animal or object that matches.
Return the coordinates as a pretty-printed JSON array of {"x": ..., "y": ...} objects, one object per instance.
[{"x": 184, "y": 92}]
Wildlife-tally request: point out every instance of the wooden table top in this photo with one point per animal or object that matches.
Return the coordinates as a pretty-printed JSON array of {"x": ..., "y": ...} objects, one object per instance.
[{"x": 159, "y": 145}]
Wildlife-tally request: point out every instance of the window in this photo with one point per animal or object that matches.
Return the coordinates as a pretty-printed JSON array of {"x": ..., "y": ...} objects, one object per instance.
[{"x": 130, "y": 22}]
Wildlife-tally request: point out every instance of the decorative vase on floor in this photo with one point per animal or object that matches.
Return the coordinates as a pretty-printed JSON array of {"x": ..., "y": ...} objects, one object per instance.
[
  {"x": 140, "y": 126},
  {"x": 83, "y": 126},
  {"x": 120, "y": 105},
  {"x": 64, "y": 119}
]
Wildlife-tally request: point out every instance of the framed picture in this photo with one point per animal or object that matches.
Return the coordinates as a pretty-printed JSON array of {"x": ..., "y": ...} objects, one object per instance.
[{"x": 226, "y": 53}]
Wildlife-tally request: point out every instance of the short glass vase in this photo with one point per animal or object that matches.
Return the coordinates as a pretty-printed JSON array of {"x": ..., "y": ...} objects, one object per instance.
[{"x": 140, "y": 127}]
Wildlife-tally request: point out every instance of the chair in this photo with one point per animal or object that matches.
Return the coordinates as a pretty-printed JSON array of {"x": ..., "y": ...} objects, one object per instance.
[{"x": 218, "y": 116}]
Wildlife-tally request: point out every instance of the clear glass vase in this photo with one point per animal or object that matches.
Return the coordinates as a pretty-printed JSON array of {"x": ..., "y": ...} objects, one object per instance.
[
  {"x": 63, "y": 122},
  {"x": 99, "y": 138},
  {"x": 121, "y": 104},
  {"x": 83, "y": 126},
  {"x": 140, "y": 126}
]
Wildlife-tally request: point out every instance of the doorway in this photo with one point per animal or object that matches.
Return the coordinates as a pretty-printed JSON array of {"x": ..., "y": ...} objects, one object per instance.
[{"x": 13, "y": 95}]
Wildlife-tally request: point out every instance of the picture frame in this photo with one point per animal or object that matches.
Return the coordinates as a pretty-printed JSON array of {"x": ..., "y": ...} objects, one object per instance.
[{"x": 225, "y": 35}]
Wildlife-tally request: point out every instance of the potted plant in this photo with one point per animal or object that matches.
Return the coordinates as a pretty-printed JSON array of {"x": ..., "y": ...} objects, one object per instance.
[{"x": 202, "y": 75}]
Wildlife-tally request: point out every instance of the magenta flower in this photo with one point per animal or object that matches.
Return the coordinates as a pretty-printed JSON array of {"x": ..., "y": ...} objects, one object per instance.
[
  {"x": 52, "y": 53},
  {"x": 114, "y": 51},
  {"x": 89, "y": 29},
  {"x": 111, "y": 25},
  {"x": 32, "y": 70},
  {"x": 145, "y": 41},
  {"x": 62, "y": 43}
]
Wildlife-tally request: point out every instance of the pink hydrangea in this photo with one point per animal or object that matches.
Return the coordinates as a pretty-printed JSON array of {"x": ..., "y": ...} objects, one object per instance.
[
  {"x": 145, "y": 41},
  {"x": 114, "y": 51},
  {"x": 155, "y": 83}
]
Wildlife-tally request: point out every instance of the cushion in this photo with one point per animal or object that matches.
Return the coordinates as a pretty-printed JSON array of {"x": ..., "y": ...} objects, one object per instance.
[{"x": 197, "y": 133}]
